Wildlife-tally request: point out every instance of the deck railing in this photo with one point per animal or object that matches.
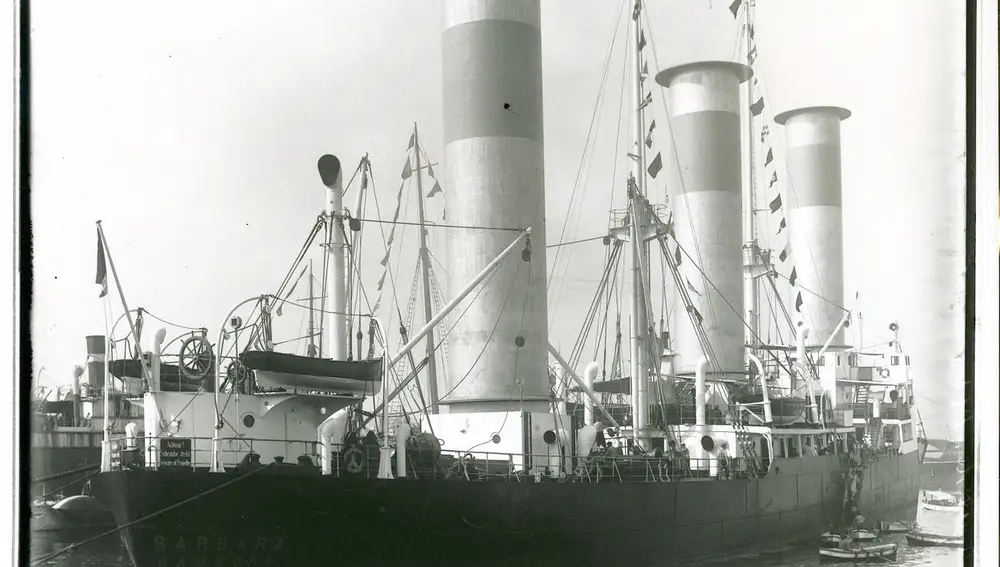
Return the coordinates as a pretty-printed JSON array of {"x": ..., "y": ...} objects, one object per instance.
[{"x": 195, "y": 453}]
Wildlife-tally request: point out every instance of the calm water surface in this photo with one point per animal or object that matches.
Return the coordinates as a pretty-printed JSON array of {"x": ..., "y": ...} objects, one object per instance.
[{"x": 109, "y": 552}]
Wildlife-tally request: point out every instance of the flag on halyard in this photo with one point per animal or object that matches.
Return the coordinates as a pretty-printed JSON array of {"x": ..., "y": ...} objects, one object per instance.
[{"x": 102, "y": 268}]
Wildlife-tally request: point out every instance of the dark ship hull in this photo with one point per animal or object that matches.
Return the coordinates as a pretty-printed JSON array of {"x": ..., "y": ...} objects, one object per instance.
[{"x": 289, "y": 516}]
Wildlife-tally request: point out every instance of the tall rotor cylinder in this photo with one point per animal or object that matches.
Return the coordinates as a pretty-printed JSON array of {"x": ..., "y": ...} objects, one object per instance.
[
  {"x": 706, "y": 201},
  {"x": 815, "y": 216},
  {"x": 492, "y": 74}
]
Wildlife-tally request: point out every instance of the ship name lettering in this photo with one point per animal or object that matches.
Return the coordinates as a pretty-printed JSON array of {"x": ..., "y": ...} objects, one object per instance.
[
  {"x": 203, "y": 544},
  {"x": 254, "y": 560}
]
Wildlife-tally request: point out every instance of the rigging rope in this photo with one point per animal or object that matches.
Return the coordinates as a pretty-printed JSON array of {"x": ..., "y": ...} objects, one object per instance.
[
  {"x": 492, "y": 331},
  {"x": 594, "y": 120}
]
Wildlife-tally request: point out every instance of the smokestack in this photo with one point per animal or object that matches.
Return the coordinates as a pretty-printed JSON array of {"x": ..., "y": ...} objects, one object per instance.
[
  {"x": 706, "y": 203},
  {"x": 492, "y": 75},
  {"x": 331, "y": 173},
  {"x": 96, "y": 349},
  {"x": 815, "y": 216},
  {"x": 77, "y": 407}
]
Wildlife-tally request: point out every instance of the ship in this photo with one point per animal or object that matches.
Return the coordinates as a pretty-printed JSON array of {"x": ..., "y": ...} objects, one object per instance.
[
  {"x": 726, "y": 446},
  {"x": 66, "y": 434}
]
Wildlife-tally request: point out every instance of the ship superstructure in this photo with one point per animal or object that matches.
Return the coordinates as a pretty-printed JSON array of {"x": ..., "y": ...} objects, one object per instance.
[{"x": 288, "y": 459}]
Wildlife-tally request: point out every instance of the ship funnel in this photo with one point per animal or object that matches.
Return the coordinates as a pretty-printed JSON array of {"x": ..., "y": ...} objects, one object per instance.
[
  {"x": 96, "y": 349},
  {"x": 494, "y": 156},
  {"x": 704, "y": 107},
  {"x": 331, "y": 173},
  {"x": 77, "y": 406},
  {"x": 815, "y": 216}
]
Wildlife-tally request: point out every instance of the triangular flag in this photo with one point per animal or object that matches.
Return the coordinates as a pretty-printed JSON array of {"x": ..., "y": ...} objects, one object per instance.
[
  {"x": 691, "y": 287},
  {"x": 769, "y": 158},
  {"x": 434, "y": 190},
  {"x": 648, "y": 100},
  {"x": 774, "y": 179},
  {"x": 784, "y": 254},
  {"x": 636, "y": 9},
  {"x": 782, "y": 226},
  {"x": 655, "y": 166},
  {"x": 407, "y": 172},
  {"x": 798, "y": 302},
  {"x": 751, "y": 31},
  {"x": 694, "y": 310},
  {"x": 752, "y": 55},
  {"x": 645, "y": 70},
  {"x": 757, "y": 107},
  {"x": 102, "y": 268},
  {"x": 735, "y": 7},
  {"x": 642, "y": 40},
  {"x": 649, "y": 134},
  {"x": 677, "y": 255},
  {"x": 794, "y": 276},
  {"x": 775, "y": 203},
  {"x": 410, "y": 146},
  {"x": 764, "y": 131},
  {"x": 430, "y": 170}
]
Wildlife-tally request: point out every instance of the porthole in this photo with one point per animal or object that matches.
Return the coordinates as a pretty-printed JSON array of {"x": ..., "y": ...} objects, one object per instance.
[{"x": 248, "y": 420}]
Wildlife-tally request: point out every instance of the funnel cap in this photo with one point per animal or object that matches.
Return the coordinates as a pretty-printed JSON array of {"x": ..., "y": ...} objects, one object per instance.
[
  {"x": 741, "y": 71},
  {"x": 839, "y": 112}
]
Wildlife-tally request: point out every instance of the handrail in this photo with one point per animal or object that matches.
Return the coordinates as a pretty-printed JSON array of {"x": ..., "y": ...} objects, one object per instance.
[{"x": 451, "y": 464}]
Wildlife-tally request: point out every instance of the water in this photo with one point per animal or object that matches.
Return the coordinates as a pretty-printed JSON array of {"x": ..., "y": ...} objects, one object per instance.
[{"x": 110, "y": 552}]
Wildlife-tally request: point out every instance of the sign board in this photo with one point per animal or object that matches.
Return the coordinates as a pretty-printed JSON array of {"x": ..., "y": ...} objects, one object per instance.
[{"x": 175, "y": 452}]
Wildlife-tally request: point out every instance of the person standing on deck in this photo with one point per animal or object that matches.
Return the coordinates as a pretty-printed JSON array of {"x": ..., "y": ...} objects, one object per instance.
[{"x": 724, "y": 460}]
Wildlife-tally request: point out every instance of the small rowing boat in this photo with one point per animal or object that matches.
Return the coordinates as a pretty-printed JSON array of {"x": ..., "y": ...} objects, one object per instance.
[
  {"x": 860, "y": 553},
  {"x": 894, "y": 527},
  {"x": 831, "y": 539}
]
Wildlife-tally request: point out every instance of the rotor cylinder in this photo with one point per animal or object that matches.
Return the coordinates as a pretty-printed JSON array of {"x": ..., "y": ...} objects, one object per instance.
[
  {"x": 815, "y": 212},
  {"x": 706, "y": 203},
  {"x": 492, "y": 74}
]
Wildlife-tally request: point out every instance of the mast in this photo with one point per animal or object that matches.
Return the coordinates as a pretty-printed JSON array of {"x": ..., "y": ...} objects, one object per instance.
[
  {"x": 312, "y": 321},
  {"x": 425, "y": 270},
  {"x": 639, "y": 249},
  {"x": 752, "y": 261}
]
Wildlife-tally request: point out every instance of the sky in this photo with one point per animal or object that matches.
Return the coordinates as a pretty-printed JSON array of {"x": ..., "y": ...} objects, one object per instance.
[{"x": 194, "y": 136}]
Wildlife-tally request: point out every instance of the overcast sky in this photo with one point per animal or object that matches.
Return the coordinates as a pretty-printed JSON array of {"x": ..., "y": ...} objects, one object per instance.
[{"x": 194, "y": 134}]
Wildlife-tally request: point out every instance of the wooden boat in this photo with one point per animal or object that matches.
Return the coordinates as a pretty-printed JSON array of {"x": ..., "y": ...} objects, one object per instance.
[
  {"x": 894, "y": 527},
  {"x": 930, "y": 540},
  {"x": 860, "y": 553},
  {"x": 172, "y": 379},
  {"x": 785, "y": 410},
  {"x": 940, "y": 521},
  {"x": 293, "y": 372},
  {"x": 831, "y": 539}
]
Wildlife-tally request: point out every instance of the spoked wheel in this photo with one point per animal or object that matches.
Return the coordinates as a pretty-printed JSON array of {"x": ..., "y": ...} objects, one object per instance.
[{"x": 196, "y": 357}]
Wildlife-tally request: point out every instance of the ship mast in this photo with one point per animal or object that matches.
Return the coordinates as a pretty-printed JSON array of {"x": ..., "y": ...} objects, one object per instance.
[
  {"x": 754, "y": 265},
  {"x": 425, "y": 270},
  {"x": 312, "y": 352},
  {"x": 639, "y": 251}
]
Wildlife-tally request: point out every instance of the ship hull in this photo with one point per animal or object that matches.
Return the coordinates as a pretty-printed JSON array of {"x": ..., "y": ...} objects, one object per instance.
[{"x": 275, "y": 519}]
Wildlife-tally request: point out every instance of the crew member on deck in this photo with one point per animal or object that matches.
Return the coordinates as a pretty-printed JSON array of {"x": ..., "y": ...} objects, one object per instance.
[{"x": 724, "y": 460}]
